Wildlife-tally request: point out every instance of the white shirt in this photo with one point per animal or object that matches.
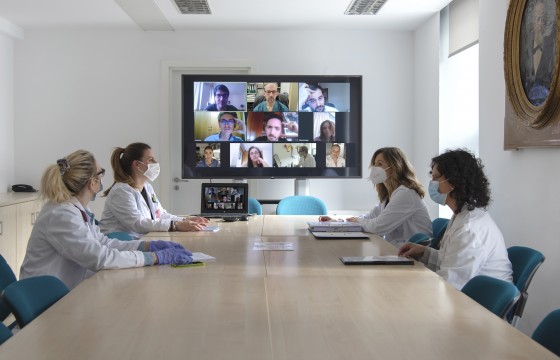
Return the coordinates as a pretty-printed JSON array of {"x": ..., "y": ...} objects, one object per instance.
[
  {"x": 66, "y": 245},
  {"x": 405, "y": 215},
  {"x": 340, "y": 162},
  {"x": 126, "y": 210},
  {"x": 472, "y": 245},
  {"x": 308, "y": 161}
]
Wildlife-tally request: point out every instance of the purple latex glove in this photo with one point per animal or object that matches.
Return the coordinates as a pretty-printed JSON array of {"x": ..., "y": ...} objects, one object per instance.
[
  {"x": 155, "y": 245},
  {"x": 173, "y": 256}
]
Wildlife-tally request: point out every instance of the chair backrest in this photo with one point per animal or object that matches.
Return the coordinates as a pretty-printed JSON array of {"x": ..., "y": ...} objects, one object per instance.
[
  {"x": 7, "y": 277},
  {"x": 5, "y": 333},
  {"x": 548, "y": 332},
  {"x": 28, "y": 298},
  {"x": 496, "y": 295},
  {"x": 120, "y": 235},
  {"x": 438, "y": 228},
  {"x": 524, "y": 262},
  {"x": 255, "y": 206},
  {"x": 419, "y": 238},
  {"x": 301, "y": 205}
]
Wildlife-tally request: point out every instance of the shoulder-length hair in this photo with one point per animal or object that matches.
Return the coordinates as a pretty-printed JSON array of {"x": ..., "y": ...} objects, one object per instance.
[
  {"x": 400, "y": 172},
  {"x": 249, "y": 161}
]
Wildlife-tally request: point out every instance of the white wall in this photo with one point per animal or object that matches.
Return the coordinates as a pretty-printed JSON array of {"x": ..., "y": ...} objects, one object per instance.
[
  {"x": 6, "y": 112},
  {"x": 426, "y": 103},
  {"x": 524, "y": 183},
  {"x": 100, "y": 89}
]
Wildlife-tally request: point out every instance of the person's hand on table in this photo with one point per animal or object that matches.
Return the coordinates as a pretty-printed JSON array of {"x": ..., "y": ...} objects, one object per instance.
[
  {"x": 155, "y": 245},
  {"x": 187, "y": 225},
  {"x": 173, "y": 256},
  {"x": 198, "y": 220},
  {"x": 353, "y": 219},
  {"x": 411, "y": 250}
]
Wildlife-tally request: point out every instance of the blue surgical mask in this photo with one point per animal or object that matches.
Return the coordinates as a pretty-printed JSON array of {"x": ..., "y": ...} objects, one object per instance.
[{"x": 435, "y": 195}]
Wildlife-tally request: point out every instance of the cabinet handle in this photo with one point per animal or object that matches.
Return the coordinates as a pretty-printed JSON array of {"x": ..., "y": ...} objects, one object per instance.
[{"x": 1, "y": 227}]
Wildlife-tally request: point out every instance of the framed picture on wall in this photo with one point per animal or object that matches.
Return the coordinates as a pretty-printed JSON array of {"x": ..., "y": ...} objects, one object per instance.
[{"x": 531, "y": 45}]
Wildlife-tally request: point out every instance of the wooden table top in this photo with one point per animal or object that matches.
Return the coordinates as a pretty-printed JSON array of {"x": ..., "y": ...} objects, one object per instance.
[{"x": 248, "y": 304}]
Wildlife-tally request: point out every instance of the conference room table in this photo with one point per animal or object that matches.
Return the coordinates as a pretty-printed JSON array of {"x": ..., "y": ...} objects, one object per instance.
[{"x": 253, "y": 304}]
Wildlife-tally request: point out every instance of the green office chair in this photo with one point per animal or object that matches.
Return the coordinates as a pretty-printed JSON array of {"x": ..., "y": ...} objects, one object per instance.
[
  {"x": 439, "y": 225},
  {"x": 120, "y": 235},
  {"x": 255, "y": 206},
  {"x": 7, "y": 277},
  {"x": 419, "y": 238},
  {"x": 496, "y": 295},
  {"x": 301, "y": 205},
  {"x": 29, "y": 298},
  {"x": 5, "y": 333},
  {"x": 548, "y": 332},
  {"x": 524, "y": 262}
]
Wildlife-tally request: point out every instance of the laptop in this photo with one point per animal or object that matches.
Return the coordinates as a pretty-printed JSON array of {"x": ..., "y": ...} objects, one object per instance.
[{"x": 224, "y": 200}]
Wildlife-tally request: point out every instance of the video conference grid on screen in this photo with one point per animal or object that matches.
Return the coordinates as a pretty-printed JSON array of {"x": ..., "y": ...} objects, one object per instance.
[{"x": 284, "y": 128}]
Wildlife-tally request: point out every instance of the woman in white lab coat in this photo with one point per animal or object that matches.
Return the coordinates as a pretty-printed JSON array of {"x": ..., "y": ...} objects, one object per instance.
[
  {"x": 472, "y": 244},
  {"x": 132, "y": 205},
  {"x": 401, "y": 211},
  {"x": 66, "y": 243}
]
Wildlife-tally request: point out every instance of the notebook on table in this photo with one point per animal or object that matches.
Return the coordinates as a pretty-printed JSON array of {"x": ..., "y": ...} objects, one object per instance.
[
  {"x": 224, "y": 200},
  {"x": 339, "y": 235},
  {"x": 376, "y": 260}
]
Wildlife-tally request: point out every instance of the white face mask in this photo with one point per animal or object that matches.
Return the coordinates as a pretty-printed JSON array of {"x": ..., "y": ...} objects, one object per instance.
[
  {"x": 152, "y": 172},
  {"x": 377, "y": 175}
]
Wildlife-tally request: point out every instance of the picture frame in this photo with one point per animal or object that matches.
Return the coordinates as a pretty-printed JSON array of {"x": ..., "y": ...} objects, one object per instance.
[{"x": 531, "y": 67}]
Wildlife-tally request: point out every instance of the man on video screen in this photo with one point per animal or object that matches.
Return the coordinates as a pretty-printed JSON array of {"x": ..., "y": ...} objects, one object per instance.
[
  {"x": 221, "y": 98},
  {"x": 311, "y": 98}
]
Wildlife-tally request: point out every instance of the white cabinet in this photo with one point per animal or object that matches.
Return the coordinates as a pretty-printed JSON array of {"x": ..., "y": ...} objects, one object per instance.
[{"x": 18, "y": 212}]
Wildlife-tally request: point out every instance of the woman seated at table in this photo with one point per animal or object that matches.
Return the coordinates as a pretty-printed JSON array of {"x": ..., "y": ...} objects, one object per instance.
[
  {"x": 401, "y": 212},
  {"x": 132, "y": 205},
  {"x": 66, "y": 243},
  {"x": 472, "y": 244}
]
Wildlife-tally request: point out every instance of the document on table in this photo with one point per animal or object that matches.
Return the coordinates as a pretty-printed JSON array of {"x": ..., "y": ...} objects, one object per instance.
[
  {"x": 198, "y": 256},
  {"x": 282, "y": 246},
  {"x": 376, "y": 260},
  {"x": 211, "y": 228},
  {"x": 333, "y": 226}
]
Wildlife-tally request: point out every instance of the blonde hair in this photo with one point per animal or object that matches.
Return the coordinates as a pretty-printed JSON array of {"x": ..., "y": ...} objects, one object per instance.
[
  {"x": 400, "y": 173},
  {"x": 68, "y": 176}
]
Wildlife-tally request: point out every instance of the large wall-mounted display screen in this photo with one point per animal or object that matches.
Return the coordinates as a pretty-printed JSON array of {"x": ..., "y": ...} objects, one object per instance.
[{"x": 271, "y": 126}]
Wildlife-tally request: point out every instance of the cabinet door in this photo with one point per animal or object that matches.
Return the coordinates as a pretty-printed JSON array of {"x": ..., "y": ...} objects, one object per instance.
[
  {"x": 8, "y": 216},
  {"x": 27, "y": 213}
]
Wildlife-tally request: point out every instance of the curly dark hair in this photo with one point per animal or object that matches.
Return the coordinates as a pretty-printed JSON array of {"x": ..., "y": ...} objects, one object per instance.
[{"x": 465, "y": 173}]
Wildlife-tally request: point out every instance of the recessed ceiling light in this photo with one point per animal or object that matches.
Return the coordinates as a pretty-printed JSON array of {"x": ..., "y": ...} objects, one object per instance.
[{"x": 365, "y": 7}]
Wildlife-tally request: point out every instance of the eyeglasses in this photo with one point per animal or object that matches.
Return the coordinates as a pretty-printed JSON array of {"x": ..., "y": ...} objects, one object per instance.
[
  {"x": 227, "y": 122},
  {"x": 221, "y": 95},
  {"x": 101, "y": 173},
  {"x": 270, "y": 92}
]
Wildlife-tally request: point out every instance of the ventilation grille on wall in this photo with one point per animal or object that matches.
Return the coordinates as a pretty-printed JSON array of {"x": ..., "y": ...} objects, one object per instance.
[
  {"x": 365, "y": 7},
  {"x": 193, "y": 7}
]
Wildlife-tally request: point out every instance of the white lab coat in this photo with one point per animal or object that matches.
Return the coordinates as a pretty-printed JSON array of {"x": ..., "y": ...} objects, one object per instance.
[
  {"x": 66, "y": 245},
  {"x": 405, "y": 215},
  {"x": 472, "y": 245},
  {"x": 341, "y": 162},
  {"x": 126, "y": 210}
]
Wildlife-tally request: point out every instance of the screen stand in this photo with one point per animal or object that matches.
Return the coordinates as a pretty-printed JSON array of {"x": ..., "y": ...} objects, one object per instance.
[{"x": 301, "y": 187}]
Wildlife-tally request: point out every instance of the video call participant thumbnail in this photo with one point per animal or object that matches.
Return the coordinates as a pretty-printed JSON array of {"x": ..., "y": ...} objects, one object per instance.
[
  {"x": 276, "y": 128},
  {"x": 228, "y": 124},
  {"x": 312, "y": 98},
  {"x": 335, "y": 159},
  {"x": 305, "y": 158},
  {"x": 270, "y": 103},
  {"x": 326, "y": 130},
  {"x": 208, "y": 159},
  {"x": 221, "y": 98}
]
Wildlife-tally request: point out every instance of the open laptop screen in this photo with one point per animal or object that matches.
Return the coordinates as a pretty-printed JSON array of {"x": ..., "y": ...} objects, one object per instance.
[{"x": 224, "y": 198}]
